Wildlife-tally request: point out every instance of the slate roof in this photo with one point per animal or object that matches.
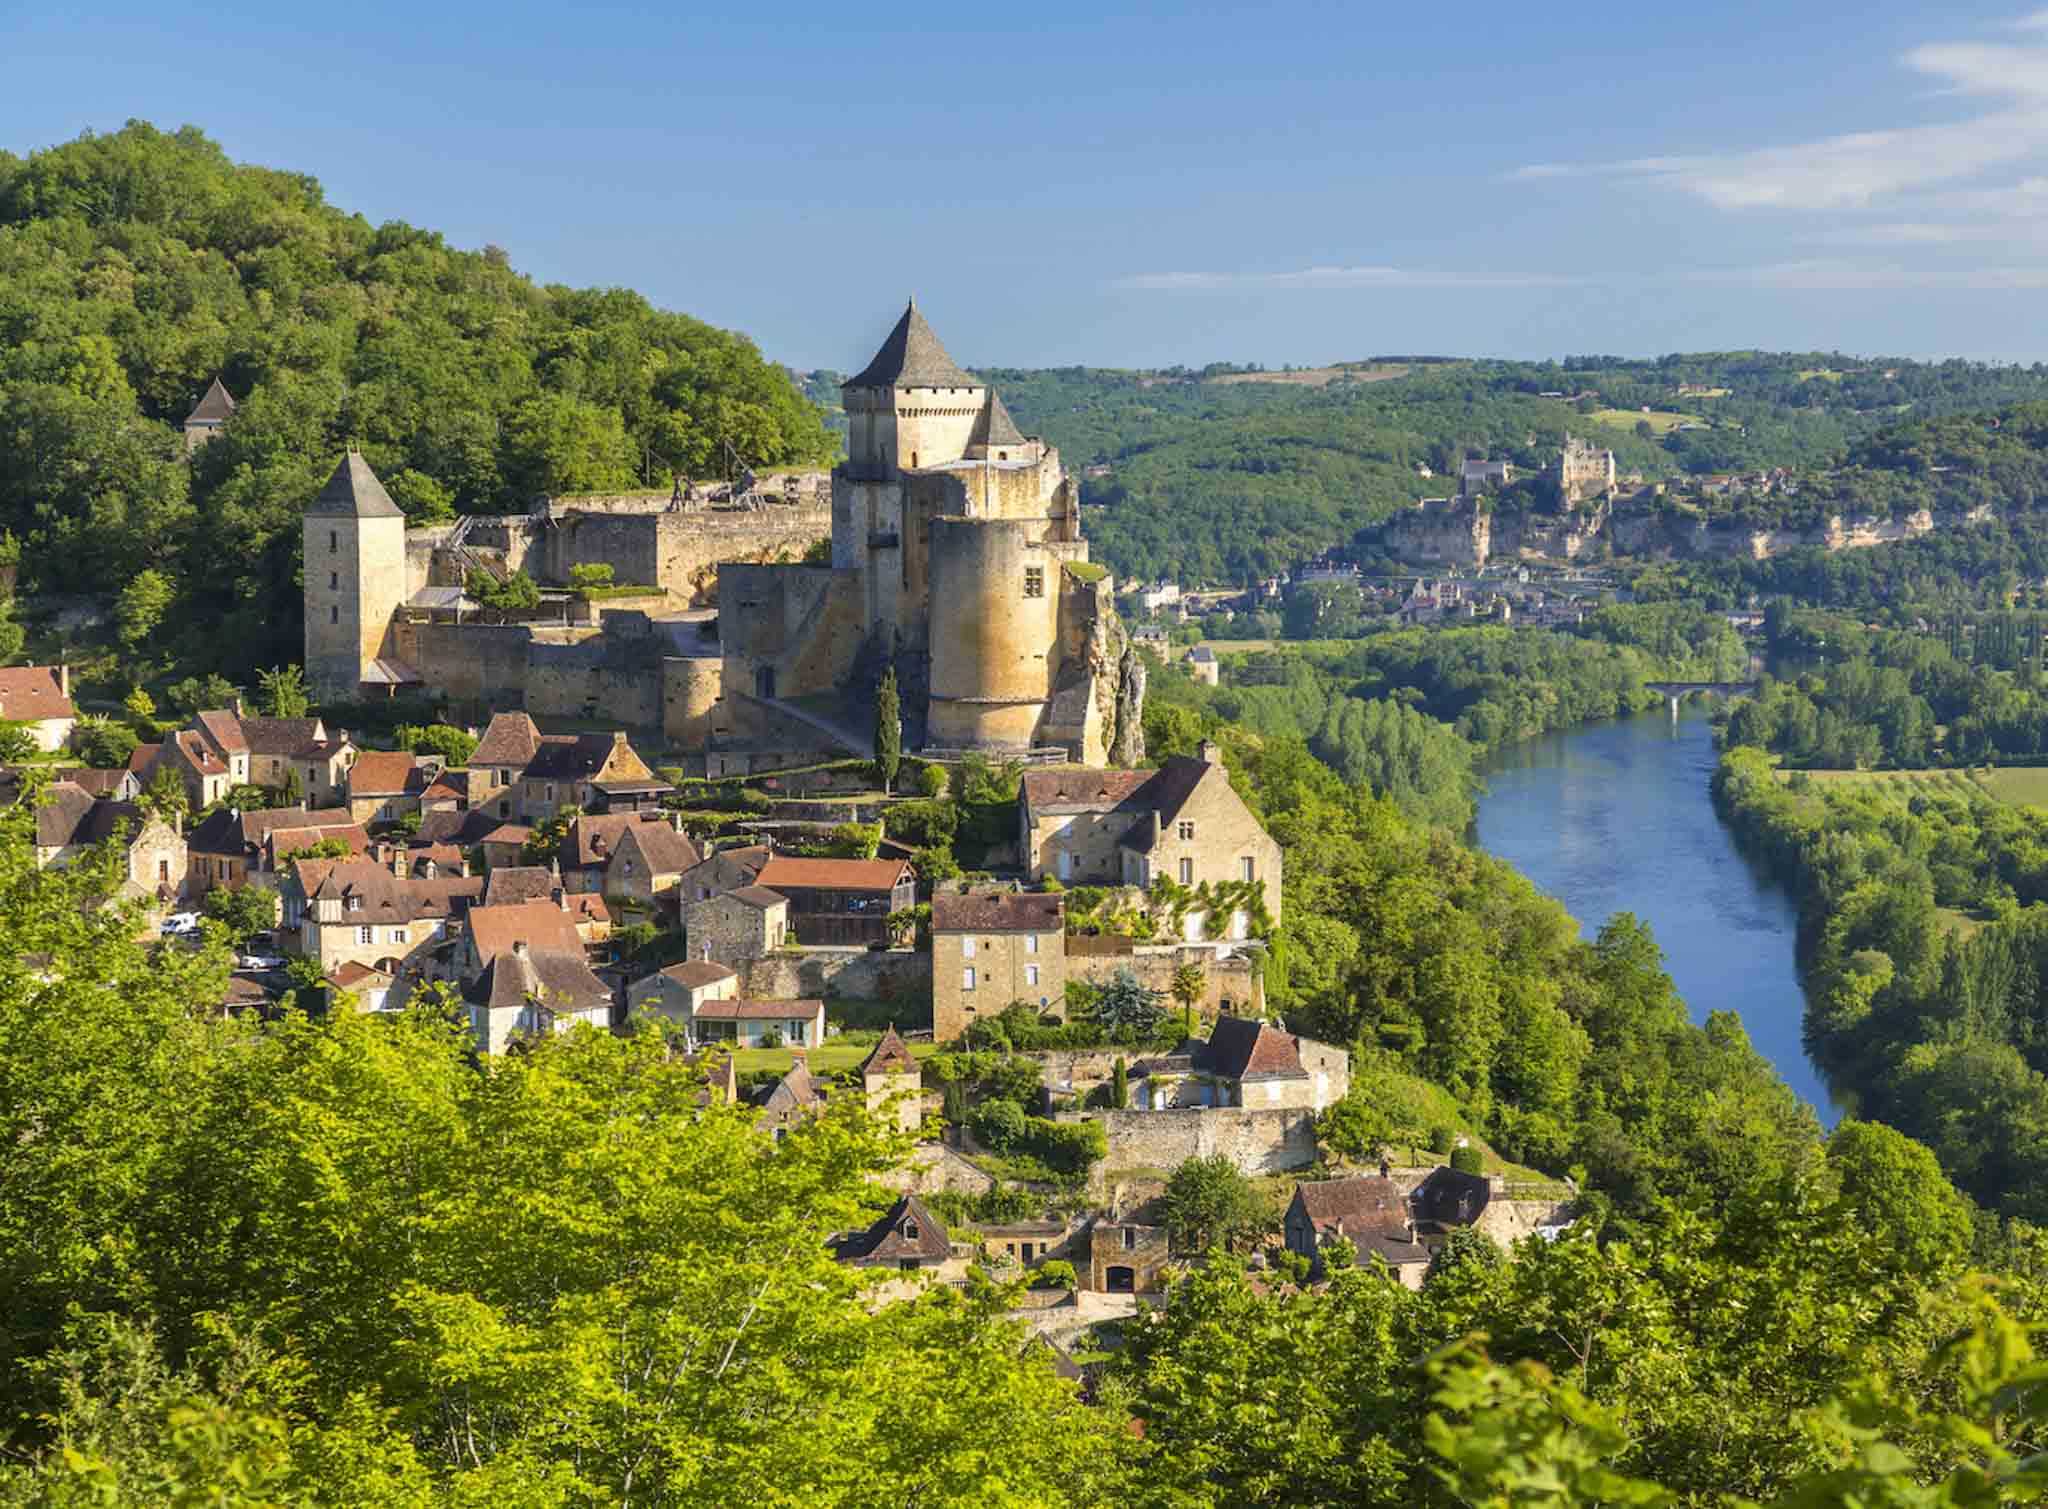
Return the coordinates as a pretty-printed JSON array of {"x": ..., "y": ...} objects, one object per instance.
[
  {"x": 994, "y": 426},
  {"x": 736, "y": 1009},
  {"x": 1241, "y": 1048},
  {"x": 1074, "y": 789},
  {"x": 757, "y": 896},
  {"x": 282, "y": 737},
  {"x": 888, "y": 1240},
  {"x": 383, "y": 772},
  {"x": 541, "y": 925},
  {"x": 510, "y": 740},
  {"x": 1201, "y": 654},
  {"x": 457, "y": 827},
  {"x": 30, "y": 693},
  {"x": 891, "y": 1056},
  {"x": 695, "y": 974},
  {"x": 795, "y": 1091},
  {"x": 568, "y": 757},
  {"x": 593, "y": 840},
  {"x": 912, "y": 358},
  {"x": 1451, "y": 1197},
  {"x": 554, "y": 978},
  {"x": 61, "y": 818},
  {"x": 354, "y": 492},
  {"x": 998, "y": 912},
  {"x": 781, "y": 873},
  {"x": 214, "y": 405}
]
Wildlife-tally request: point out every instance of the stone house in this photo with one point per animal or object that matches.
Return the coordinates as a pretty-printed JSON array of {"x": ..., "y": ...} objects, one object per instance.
[
  {"x": 907, "y": 1237},
  {"x": 1181, "y": 822},
  {"x": 370, "y": 986},
  {"x": 566, "y": 770},
  {"x": 1030, "y": 1243},
  {"x": 736, "y": 926},
  {"x": 629, "y": 856},
  {"x": 384, "y": 785},
  {"x": 725, "y": 870},
  {"x": 40, "y": 696},
  {"x": 505, "y": 844},
  {"x": 893, "y": 1083},
  {"x": 208, "y": 416},
  {"x": 357, "y": 910},
  {"x": 542, "y": 926},
  {"x": 758, "y": 1024},
  {"x": 1126, "y": 1258},
  {"x": 677, "y": 991},
  {"x": 841, "y": 902},
  {"x": 70, "y": 822},
  {"x": 109, "y": 785},
  {"x": 322, "y": 766},
  {"x": 1203, "y": 665},
  {"x": 797, "y": 1097},
  {"x": 508, "y": 746},
  {"x": 990, "y": 949},
  {"x": 527, "y": 993},
  {"x": 1370, "y": 1213},
  {"x": 190, "y": 755},
  {"x": 448, "y": 791},
  {"x": 259, "y": 751},
  {"x": 232, "y": 847},
  {"x": 1245, "y": 1063}
]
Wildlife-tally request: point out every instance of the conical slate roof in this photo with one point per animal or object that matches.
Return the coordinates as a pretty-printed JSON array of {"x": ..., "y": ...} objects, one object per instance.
[
  {"x": 994, "y": 426},
  {"x": 912, "y": 358},
  {"x": 214, "y": 405},
  {"x": 354, "y": 492}
]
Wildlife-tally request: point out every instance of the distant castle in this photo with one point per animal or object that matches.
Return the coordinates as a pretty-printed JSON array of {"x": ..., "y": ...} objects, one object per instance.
[
  {"x": 956, "y": 557},
  {"x": 1581, "y": 471}
]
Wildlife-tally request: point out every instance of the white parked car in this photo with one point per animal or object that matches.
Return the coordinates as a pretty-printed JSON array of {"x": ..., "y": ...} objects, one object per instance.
[
  {"x": 181, "y": 922},
  {"x": 260, "y": 961}
]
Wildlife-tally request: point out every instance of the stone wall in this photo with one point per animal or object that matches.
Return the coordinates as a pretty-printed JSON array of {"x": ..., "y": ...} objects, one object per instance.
[
  {"x": 1234, "y": 986},
  {"x": 690, "y": 686},
  {"x": 802, "y": 624},
  {"x": 1257, "y": 1141},
  {"x": 478, "y": 663},
  {"x": 854, "y": 973},
  {"x": 681, "y": 552}
]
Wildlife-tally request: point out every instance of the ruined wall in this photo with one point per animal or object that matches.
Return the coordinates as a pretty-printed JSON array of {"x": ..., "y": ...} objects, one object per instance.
[
  {"x": 680, "y": 552},
  {"x": 1256, "y": 1141},
  {"x": 855, "y": 973},
  {"x": 1233, "y": 986}
]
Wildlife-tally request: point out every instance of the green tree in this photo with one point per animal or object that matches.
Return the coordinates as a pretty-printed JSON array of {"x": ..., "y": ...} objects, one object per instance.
[
  {"x": 1209, "y": 1203},
  {"x": 1899, "y": 1194},
  {"x": 140, "y": 609},
  {"x": 282, "y": 692},
  {"x": 103, "y": 743},
  {"x": 17, "y": 740},
  {"x": 453, "y": 744},
  {"x": 590, "y": 574},
  {"x": 1189, "y": 984},
  {"x": 140, "y": 707},
  {"x": 1125, "y": 1007},
  {"x": 242, "y": 911},
  {"x": 165, "y": 796},
  {"x": 1120, "y": 1086},
  {"x": 888, "y": 730}
]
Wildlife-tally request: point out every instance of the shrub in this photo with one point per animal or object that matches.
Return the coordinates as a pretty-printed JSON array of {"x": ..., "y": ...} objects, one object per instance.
[
  {"x": 1468, "y": 1160},
  {"x": 932, "y": 781},
  {"x": 998, "y": 1125},
  {"x": 100, "y": 742},
  {"x": 1440, "y": 1140},
  {"x": 593, "y": 574},
  {"x": 1055, "y": 1273},
  {"x": 18, "y": 740}
]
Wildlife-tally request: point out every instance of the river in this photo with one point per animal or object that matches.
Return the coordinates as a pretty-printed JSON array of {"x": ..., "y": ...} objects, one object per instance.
[{"x": 1617, "y": 817}]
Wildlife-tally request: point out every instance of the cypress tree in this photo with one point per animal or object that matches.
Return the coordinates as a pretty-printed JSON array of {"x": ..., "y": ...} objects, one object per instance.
[{"x": 888, "y": 730}]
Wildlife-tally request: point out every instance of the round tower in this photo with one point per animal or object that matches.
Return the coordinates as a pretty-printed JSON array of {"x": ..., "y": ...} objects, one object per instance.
[{"x": 994, "y": 632}]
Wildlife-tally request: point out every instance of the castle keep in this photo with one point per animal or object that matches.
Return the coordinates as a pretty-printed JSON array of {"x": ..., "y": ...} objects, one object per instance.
[{"x": 957, "y": 557}]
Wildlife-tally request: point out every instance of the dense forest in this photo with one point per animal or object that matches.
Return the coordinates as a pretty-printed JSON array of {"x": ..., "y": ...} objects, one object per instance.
[{"x": 136, "y": 267}]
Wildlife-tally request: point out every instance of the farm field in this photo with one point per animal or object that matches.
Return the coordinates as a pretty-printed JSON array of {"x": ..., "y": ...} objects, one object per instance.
[
  {"x": 1312, "y": 377},
  {"x": 2019, "y": 786},
  {"x": 1661, "y": 421},
  {"x": 2023, "y": 786}
]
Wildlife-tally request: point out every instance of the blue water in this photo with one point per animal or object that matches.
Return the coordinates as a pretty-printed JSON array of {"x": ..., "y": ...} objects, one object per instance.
[{"x": 1617, "y": 817}]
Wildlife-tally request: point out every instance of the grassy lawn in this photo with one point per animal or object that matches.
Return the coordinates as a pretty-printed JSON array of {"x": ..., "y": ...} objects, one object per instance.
[
  {"x": 825, "y": 1060},
  {"x": 1960, "y": 923},
  {"x": 1662, "y": 421},
  {"x": 2022, "y": 786},
  {"x": 2019, "y": 786}
]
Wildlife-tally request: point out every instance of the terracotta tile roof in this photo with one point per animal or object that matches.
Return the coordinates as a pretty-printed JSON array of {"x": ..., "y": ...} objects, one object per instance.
[
  {"x": 998, "y": 912},
  {"x": 446, "y": 858},
  {"x": 144, "y": 757},
  {"x": 911, "y": 357},
  {"x": 352, "y": 974},
  {"x": 540, "y": 924},
  {"x": 891, "y": 1056},
  {"x": 695, "y": 974},
  {"x": 1079, "y": 789},
  {"x": 228, "y": 831},
  {"x": 1360, "y": 1204},
  {"x": 890, "y": 1240},
  {"x": 286, "y": 840},
  {"x": 448, "y": 786},
  {"x": 758, "y": 896},
  {"x": 508, "y": 833},
  {"x": 30, "y": 693},
  {"x": 198, "y": 752},
  {"x": 100, "y": 782},
  {"x": 735, "y": 1009},
  {"x": 224, "y": 728},
  {"x": 510, "y": 740},
  {"x": 587, "y": 906},
  {"x": 1241, "y": 1048},
  {"x": 383, "y": 772},
  {"x": 512, "y": 884},
  {"x": 661, "y": 849},
  {"x": 781, "y": 873},
  {"x": 456, "y": 827}
]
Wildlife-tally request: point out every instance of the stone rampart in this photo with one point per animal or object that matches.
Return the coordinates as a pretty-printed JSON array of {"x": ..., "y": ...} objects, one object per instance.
[
  {"x": 471, "y": 662},
  {"x": 855, "y": 973},
  {"x": 1256, "y": 1141},
  {"x": 681, "y": 552}
]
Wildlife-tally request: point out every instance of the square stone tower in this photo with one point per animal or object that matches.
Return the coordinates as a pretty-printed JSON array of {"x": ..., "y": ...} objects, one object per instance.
[
  {"x": 354, "y": 578},
  {"x": 891, "y": 1074}
]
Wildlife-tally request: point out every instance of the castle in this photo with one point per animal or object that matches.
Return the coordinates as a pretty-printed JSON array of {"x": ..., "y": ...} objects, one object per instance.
[{"x": 955, "y": 555}]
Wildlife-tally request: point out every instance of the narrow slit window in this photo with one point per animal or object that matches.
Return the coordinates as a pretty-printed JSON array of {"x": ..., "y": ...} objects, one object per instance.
[{"x": 1034, "y": 581}]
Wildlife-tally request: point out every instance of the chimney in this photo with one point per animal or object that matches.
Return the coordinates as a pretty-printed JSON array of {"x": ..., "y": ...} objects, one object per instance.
[
  {"x": 518, "y": 948},
  {"x": 675, "y": 821},
  {"x": 398, "y": 861},
  {"x": 427, "y": 869},
  {"x": 64, "y": 678},
  {"x": 560, "y": 897},
  {"x": 465, "y": 867},
  {"x": 1208, "y": 752}
]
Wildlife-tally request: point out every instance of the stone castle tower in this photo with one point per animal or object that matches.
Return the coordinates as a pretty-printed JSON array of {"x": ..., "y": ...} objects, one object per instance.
[
  {"x": 1582, "y": 471},
  {"x": 957, "y": 554},
  {"x": 354, "y": 581},
  {"x": 889, "y": 1072}
]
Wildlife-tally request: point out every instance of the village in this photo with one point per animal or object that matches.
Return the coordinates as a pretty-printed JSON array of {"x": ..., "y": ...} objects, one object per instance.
[{"x": 713, "y": 845}]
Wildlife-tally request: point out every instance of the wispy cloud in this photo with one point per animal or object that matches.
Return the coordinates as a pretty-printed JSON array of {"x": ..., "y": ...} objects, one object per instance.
[
  {"x": 1338, "y": 277},
  {"x": 1839, "y": 274},
  {"x": 1860, "y": 168}
]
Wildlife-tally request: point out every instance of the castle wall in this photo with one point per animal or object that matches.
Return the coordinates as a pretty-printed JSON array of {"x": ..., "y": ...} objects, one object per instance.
[
  {"x": 596, "y": 679},
  {"x": 1256, "y": 1141},
  {"x": 681, "y": 552},
  {"x": 803, "y": 624},
  {"x": 994, "y": 644},
  {"x": 690, "y": 685},
  {"x": 471, "y": 662},
  {"x": 852, "y": 973}
]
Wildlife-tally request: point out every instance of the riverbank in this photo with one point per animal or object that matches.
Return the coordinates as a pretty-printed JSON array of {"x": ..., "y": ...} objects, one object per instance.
[{"x": 1619, "y": 816}]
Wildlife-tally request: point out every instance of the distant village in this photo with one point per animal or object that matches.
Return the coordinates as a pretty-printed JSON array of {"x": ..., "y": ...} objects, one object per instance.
[{"x": 661, "y": 806}]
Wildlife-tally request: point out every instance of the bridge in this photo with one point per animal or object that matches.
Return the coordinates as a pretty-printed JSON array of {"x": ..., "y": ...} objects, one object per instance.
[{"x": 1679, "y": 690}]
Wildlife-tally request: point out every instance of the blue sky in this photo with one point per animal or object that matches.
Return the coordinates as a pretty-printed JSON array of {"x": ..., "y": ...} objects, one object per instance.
[{"x": 1061, "y": 183}]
